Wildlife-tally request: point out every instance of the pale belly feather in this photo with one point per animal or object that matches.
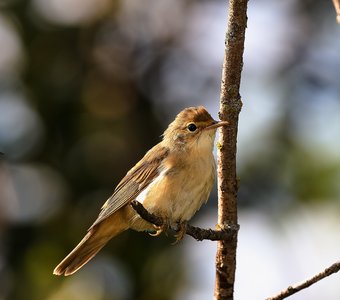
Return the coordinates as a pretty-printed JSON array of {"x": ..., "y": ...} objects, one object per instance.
[{"x": 176, "y": 195}]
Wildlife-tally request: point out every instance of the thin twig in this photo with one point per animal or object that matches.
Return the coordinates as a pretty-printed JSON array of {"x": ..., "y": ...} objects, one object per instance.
[
  {"x": 292, "y": 289},
  {"x": 337, "y": 9},
  {"x": 197, "y": 233}
]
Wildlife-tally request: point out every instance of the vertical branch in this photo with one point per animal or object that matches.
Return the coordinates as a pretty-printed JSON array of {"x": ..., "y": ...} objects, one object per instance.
[{"x": 230, "y": 107}]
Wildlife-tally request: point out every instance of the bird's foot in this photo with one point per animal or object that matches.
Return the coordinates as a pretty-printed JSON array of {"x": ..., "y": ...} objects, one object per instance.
[
  {"x": 180, "y": 231},
  {"x": 160, "y": 229}
]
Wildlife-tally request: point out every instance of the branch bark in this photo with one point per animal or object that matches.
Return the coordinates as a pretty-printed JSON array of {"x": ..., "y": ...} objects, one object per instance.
[
  {"x": 307, "y": 283},
  {"x": 197, "y": 233},
  {"x": 230, "y": 107}
]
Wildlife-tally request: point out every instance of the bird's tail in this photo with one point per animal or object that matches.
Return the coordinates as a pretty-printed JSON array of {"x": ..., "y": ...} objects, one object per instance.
[{"x": 88, "y": 247}]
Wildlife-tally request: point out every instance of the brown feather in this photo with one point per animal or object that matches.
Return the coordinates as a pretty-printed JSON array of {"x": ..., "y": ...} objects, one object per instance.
[
  {"x": 135, "y": 181},
  {"x": 94, "y": 240}
]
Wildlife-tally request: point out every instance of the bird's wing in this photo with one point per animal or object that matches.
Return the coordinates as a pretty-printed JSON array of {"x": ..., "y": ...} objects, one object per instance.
[{"x": 134, "y": 182}]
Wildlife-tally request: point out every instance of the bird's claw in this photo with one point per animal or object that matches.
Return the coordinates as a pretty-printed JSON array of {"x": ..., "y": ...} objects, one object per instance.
[
  {"x": 181, "y": 230},
  {"x": 160, "y": 229}
]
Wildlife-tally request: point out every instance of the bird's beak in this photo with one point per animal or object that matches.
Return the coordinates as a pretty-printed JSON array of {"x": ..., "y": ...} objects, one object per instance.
[{"x": 217, "y": 124}]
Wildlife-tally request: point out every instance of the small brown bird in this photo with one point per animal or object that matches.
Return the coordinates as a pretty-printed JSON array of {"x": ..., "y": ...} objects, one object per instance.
[{"x": 172, "y": 181}]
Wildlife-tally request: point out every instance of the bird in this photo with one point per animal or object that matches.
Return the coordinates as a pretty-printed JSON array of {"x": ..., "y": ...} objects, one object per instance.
[{"x": 173, "y": 180}]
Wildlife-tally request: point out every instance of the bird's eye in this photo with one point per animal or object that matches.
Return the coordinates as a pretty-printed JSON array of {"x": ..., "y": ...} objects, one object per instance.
[{"x": 192, "y": 127}]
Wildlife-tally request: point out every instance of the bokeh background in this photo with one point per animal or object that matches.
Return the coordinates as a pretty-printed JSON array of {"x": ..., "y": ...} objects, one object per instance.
[{"x": 88, "y": 86}]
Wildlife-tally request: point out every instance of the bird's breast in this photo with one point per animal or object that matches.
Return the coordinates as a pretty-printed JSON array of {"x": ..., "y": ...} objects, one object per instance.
[{"x": 180, "y": 188}]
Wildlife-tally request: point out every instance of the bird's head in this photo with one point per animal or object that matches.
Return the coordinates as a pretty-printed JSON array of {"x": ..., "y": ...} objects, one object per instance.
[{"x": 193, "y": 128}]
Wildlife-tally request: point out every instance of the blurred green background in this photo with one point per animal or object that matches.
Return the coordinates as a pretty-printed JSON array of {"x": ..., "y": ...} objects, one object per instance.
[{"x": 88, "y": 86}]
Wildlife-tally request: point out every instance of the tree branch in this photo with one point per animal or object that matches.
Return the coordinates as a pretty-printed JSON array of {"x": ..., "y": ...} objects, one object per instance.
[
  {"x": 305, "y": 284},
  {"x": 196, "y": 232},
  {"x": 337, "y": 9},
  {"x": 230, "y": 107}
]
